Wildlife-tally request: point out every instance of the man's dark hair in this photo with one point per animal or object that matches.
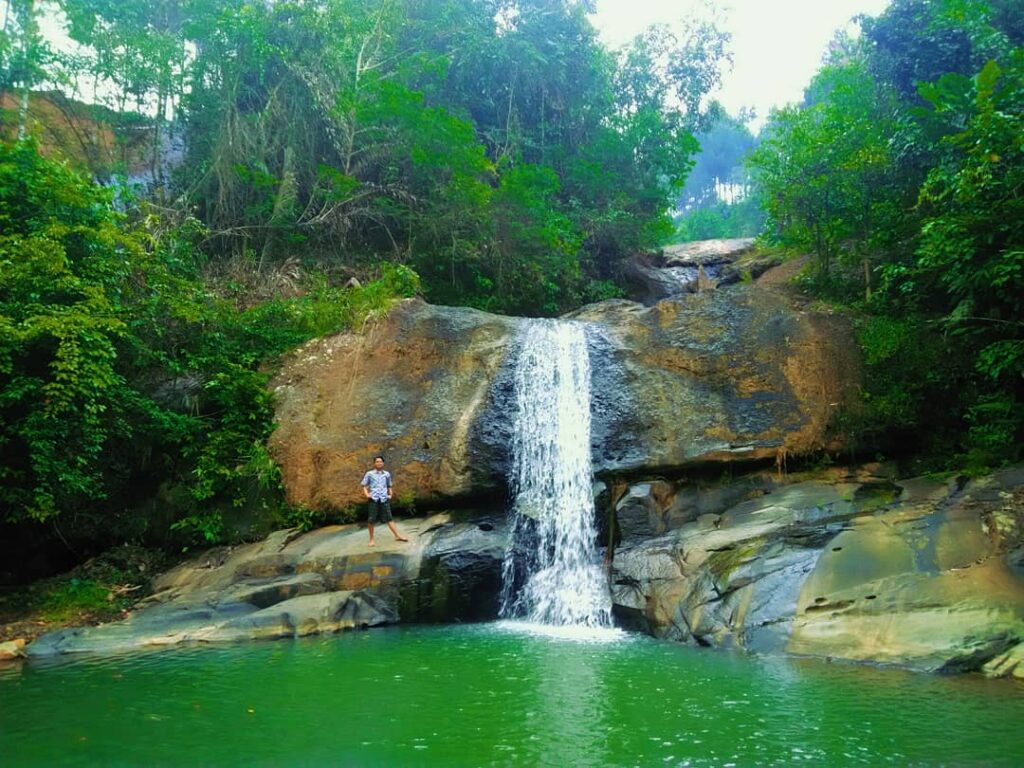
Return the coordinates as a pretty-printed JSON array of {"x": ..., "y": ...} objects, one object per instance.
[{"x": 378, "y": 457}]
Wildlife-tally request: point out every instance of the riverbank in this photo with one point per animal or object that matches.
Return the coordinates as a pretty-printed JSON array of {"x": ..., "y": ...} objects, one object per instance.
[
  {"x": 837, "y": 564},
  {"x": 100, "y": 590}
]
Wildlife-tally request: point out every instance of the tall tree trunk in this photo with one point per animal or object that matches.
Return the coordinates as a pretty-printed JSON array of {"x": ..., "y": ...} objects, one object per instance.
[
  {"x": 29, "y": 33},
  {"x": 161, "y": 111},
  {"x": 23, "y": 113},
  {"x": 284, "y": 197}
]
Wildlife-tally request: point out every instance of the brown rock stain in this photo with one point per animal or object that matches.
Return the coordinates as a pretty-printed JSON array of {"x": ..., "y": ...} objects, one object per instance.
[{"x": 357, "y": 580}]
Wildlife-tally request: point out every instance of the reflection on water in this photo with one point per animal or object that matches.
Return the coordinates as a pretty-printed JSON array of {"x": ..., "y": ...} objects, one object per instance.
[{"x": 495, "y": 695}]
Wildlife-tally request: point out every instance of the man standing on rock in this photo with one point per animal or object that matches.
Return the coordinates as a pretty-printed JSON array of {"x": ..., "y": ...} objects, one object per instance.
[{"x": 377, "y": 488}]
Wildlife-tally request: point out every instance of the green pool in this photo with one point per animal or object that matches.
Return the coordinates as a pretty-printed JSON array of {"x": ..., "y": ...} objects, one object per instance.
[{"x": 495, "y": 694}]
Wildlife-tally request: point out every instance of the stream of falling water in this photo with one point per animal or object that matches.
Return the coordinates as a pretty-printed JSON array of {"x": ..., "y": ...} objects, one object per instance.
[{"x": 551, "y": 572}]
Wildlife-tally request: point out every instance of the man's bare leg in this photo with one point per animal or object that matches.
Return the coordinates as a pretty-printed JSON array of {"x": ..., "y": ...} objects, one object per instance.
[
  {"x": 394, "y": 530},
  {"x": 372, "y": 542}
]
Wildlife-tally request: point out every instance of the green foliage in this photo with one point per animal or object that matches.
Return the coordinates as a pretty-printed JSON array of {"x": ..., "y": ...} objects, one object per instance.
[
  {"x": 720, "y": 220},
  {"x": 99, "y": 589},
  {"x": 994, "y": 431},
  {"x": 972, "y": 236},
  {"x": 119, "y": 370},
  {"x": 919, "y": 41},
  {"x": 65, "y": 269},
  {"x": 724, "y": 147},
  {"x": 823, "y": 167},
  {"x": 75, "y": 597},
  {"x": 406, "y": 501},
  {"x": 301, "y": 518},
  {"x": 354, "y": 132},
  {"x": 907, "y": 158},
  {"x": 904, "y": 368}
]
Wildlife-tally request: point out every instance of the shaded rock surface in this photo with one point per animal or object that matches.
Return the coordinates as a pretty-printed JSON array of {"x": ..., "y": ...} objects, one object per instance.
[
  {"x": 920, "y": 573},
  {"x": 324, "y": 581}
]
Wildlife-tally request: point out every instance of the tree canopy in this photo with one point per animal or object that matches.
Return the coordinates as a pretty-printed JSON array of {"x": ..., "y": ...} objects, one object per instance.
[
  {"x": 902, "y": 174},
  {"x": 495, "y": 146}
]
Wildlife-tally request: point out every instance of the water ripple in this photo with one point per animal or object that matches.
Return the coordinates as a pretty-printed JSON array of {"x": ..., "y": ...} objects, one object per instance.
[{"x": 497, "y": 694}]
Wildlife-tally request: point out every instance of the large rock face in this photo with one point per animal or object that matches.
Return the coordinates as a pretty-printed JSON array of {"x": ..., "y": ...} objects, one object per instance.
[
  {"x": 921, "y": 573},
  {"x": 714, "y": 377},
  {"x": 412, "y": 386},
  {"x": 720, "y": 376}
]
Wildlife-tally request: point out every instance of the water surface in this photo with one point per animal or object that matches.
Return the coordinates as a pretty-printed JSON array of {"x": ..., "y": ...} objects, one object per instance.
[{"x": 491, "y": 695}]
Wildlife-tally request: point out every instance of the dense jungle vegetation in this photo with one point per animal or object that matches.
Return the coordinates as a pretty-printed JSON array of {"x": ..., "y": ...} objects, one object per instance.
[
  {"x": 186, "y": 196},
  {"x": 902, "y": 174}
]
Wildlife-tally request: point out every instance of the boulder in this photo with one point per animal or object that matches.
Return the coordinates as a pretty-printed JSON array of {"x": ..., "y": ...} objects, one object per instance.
[
  {"x": 411, "y": 386},
  {"x": 12, "y": 649},
  {"x": 697, "y": 266},
  {"x": 919, "y": 574},
  {"x": 715, "y": 378},
  {"x": 706, "y": 252}
]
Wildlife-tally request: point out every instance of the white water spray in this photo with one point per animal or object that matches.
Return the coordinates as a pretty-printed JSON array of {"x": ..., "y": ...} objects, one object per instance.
[{"x": 551, "y": 573}]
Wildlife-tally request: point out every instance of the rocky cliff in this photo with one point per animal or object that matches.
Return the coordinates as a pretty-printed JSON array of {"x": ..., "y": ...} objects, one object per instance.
[
  {"x": 843, "y": 564},
  {"x": 714, "y": 377}
]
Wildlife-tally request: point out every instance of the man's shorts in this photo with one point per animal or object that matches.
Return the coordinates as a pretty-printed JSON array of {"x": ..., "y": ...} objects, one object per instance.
[{"x": 380, "y": 511}]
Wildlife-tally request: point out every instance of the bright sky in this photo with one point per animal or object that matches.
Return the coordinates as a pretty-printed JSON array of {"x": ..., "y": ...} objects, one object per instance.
[{"x": 777, "y": 45}]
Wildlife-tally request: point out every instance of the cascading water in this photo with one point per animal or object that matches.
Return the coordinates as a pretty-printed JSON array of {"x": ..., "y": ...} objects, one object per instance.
[{"x": 551, "y": 574}]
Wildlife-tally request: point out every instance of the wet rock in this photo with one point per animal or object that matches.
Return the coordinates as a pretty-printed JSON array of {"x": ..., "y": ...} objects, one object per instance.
[
  {"x": 694, "y": 267},
  {"x": 327, "y": 580},
  {"x": 460, "y": 578},
  {"x": 1009, "y": 663},
  {"x": 308, "y": 615},
  {"x": 914, "y": 574}
]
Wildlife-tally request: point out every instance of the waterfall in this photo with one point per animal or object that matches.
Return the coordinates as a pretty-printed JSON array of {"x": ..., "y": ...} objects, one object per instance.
[{"x": 551, "y": 573}]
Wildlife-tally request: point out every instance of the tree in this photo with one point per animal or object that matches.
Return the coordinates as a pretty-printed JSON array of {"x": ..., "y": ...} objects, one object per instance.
[
  {"x": 823, "y": 168},
  {"x": 916, "y": 41},
  {"x": 142, "y": 52},
  {"x": 723, "y": 149},
  {"x": 972, "y": 236},
  {"x": 64, "y": 266},
  {"x": 23, "y": 55}
]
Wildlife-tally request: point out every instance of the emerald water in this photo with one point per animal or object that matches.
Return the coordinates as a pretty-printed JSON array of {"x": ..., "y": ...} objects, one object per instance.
[{"x": 490, "y": 695}]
